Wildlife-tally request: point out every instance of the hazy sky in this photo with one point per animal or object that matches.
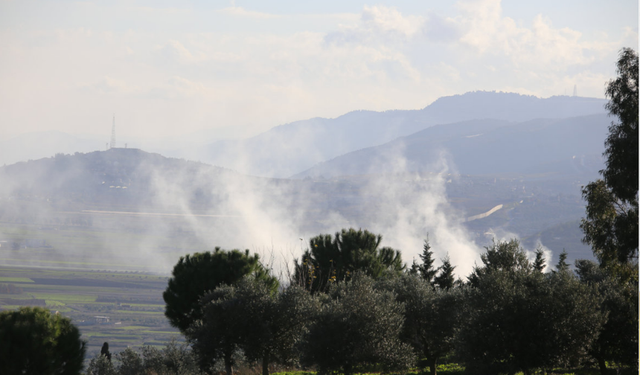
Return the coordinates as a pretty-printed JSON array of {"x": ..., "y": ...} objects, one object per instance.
[{"x": 172, "y": 67}]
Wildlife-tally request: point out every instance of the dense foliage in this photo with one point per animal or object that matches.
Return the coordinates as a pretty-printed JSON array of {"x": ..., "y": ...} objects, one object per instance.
[
  {"x": 425, "y": 270},
  {"x": 611, "y": 225},
  {"x": 431, "y": 316},
  {"x": 249, "y": 316},
  {"x": 337, "y": 258},
  {"x": 357, "y": 326},
  {"x": 618, "y": 339},
  {"x": 34, "y": 341},
  {"x": 173, "y": 359},
  {"x": 522, "y": 320},
  {"x": 196, "y": 274}
]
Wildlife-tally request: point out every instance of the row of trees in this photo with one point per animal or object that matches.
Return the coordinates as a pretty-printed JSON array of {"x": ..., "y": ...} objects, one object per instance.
[{"x": 509, "y": 316}]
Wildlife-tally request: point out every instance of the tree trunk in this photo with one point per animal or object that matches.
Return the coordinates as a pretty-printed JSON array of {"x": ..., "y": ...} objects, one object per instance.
[
  {"x": 228, "y": 364},
  {"x": 433, "y": 363},
  {"x": 348, "y": 369},
  {"x": 603, "y": 366},
  {"x": 265, "y": 364}
]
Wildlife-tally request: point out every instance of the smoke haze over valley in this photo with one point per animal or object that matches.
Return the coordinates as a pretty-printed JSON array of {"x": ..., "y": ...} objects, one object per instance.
[
  {"x": 247, "y": 125},
  {"x": 461, "y": 183}
]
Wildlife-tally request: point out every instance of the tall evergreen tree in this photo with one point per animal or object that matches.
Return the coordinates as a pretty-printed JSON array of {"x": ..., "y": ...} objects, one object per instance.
[
  {"x": 445, "y": 280},
  {"x": 539, "y": 262},
  {"x": 611, "y": 223},
  {"x": 562, "y": 266},
  {"x": 426, "y": 269}
]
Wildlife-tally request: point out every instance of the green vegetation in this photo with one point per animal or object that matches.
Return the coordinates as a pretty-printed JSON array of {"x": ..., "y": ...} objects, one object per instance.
[
  {"x": 36, "y": 342},
  {"x": 357, "y": 326},
  {"x": 16, "y": 279},
  {"x": 337, "y": 258},
  {"x": 611, "y": 225},
  {"x": 519, "y": 319},
  {"x": 135, "y": 309},
  {"x": 198, "y": 273},
  {"x": 250, "y": 316},
  {"x": 432, "y": 316}
]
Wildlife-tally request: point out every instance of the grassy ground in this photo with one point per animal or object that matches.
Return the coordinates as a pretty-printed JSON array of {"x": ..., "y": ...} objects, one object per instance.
[{"x": 456, "y": 369}]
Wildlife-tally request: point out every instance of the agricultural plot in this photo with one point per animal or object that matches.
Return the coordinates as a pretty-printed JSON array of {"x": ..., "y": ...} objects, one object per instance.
[{"x": 125, "y": 309}]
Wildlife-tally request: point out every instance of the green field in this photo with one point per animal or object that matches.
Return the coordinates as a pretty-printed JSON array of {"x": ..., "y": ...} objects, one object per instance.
[
  {"x": 15, "y": 279},
  {"x": 129, "y": 304}
]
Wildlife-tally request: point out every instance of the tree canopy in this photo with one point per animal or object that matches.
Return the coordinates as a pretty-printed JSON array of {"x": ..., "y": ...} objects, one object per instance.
[
  {"x": 357, "y": 326},
  {"x": 266, "y": 326},
  {"x": 521, "y": 319},
  {"x": 431, "y": 315},
  {"x": 196, "y": 274},
  {"x": 426, "y": 270},
  {"x": 611, "y": 223},
  {"x": 618, "y": 339},
  {"x": 508, "y": 257},
  {"x": 336, "y": 258},
  {"x": 621, "y": 153},
  {"x": 34, "y": 341}
]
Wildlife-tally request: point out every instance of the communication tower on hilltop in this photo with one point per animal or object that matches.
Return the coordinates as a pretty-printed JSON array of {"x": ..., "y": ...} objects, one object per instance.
[
  {"x": 113, "y": 133},
  {"x": 575, "y": 90}
]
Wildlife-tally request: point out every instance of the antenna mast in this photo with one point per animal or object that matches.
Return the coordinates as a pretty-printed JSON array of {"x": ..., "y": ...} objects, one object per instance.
[{"x": 113, "y": 133}]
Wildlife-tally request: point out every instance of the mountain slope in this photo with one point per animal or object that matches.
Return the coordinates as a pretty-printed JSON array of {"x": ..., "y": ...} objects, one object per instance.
[
  {"x": 117, "y": 177},
  {"x": 543, "y": 146},
  {"x": 289, "y": 149}
]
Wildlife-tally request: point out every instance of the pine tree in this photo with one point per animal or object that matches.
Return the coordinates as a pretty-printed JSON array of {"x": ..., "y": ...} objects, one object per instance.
[
  {"x": 445, "y": 279},
  {"x": 426, "y": 269},
  {"x": 562, "y": 266},
  {"x": 539, "y": 263}
]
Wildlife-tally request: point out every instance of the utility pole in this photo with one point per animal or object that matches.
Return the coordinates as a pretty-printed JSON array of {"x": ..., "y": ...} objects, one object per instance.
[{"x": 113, "y": 132}]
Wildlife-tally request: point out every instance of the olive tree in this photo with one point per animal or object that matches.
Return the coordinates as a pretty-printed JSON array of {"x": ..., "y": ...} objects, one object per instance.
[
  {"x": 275, "y": 325},
  {"x": 357, "y": 325},
  {"x": 217, "y": 334},
  {"x": 618, "y": 339},
  {"x": 431, "y": 316},
  {"x": 267, "y": 326},
  {"x": 521, "y": 319}
]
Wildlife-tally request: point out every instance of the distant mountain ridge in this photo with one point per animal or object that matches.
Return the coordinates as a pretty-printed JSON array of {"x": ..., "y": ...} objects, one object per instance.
[
  {"x": 485, "y": 147},
  {"x": 289, "y": 149},
  {"x": 292, "y": 148}
]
